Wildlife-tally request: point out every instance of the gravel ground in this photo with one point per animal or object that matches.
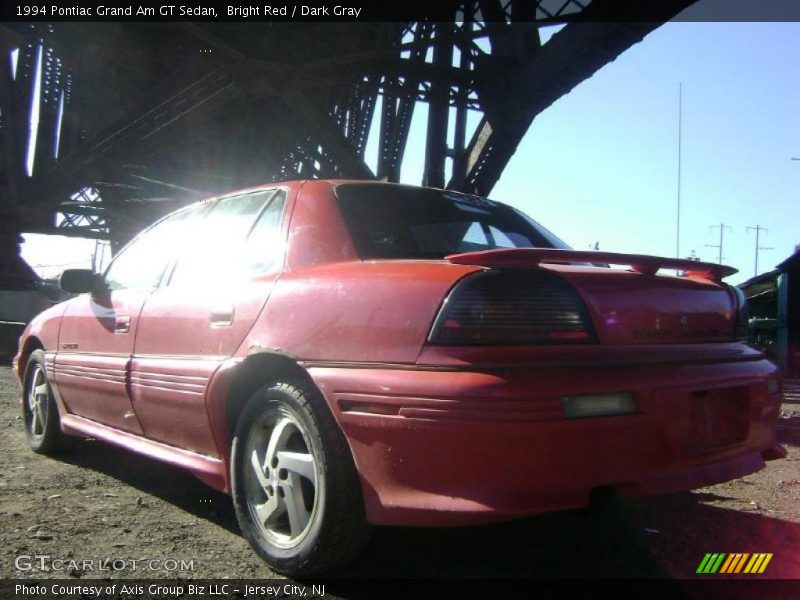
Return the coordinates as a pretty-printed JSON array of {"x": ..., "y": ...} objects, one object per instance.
[{"x": 102, "y": 504}]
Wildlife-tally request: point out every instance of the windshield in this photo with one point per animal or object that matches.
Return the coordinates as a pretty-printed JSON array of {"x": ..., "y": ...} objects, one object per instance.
[{"x": 395, "y": 221}]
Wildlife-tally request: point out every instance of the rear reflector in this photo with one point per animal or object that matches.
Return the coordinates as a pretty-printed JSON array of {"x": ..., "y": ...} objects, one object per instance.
[
  {"x": 569, "y": 335},
  {"x": 598, "y": 405}
]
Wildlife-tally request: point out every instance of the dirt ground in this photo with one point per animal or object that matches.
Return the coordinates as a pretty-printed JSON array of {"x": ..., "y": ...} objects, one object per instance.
[{"x": 103, "y": 504}]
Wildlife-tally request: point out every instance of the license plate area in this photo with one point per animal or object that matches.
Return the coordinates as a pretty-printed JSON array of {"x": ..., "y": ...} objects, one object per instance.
[{"x": 715, "y": 418}]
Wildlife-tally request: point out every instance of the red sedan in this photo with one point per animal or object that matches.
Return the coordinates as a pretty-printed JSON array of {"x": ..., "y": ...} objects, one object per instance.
[{"x": 340, "y": 354}]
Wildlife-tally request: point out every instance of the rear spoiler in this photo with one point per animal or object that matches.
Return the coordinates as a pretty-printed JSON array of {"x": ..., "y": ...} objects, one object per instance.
[{"x": 639, "y": 263}]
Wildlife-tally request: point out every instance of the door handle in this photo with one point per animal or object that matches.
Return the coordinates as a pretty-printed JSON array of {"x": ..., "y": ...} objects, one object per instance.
[
  {"x": 222, "y": 316},
  {"x": 122, "y": 324}
]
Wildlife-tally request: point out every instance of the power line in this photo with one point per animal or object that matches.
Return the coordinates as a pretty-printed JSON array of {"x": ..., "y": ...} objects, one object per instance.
[
  {"x": 722, "y": 228},
  {"x": 758, "y": 229}
]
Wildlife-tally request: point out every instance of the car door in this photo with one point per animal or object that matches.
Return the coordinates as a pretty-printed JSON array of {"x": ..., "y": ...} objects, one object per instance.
[
  {"x": 98, "y": 330},
  {"x": 199, "y": 317}
]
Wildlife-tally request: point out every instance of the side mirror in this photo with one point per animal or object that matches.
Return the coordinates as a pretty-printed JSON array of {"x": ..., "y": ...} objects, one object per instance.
[{"x": 78, "y": 281}]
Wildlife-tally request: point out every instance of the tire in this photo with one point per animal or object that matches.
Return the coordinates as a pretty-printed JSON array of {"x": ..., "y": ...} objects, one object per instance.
[
  {"x": 295, "y": 487},
  {"x": 39, "y": 409}
]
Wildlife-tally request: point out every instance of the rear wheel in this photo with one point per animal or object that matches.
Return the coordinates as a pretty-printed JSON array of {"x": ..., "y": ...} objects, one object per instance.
[
  {"x": 39, "y": 409},
  {"x": 295, "y": 488}
]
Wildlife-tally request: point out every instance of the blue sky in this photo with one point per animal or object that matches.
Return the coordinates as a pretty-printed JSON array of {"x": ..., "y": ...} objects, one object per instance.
[{"x": 600, "y": 165}]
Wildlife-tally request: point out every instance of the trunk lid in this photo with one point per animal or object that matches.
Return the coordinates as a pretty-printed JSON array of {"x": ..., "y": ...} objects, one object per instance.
[{"x": 637, "y": 305}]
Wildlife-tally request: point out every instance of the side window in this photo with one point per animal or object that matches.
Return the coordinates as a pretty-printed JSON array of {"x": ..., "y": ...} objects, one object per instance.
[
  {"x": 503, "y": 240},
  {"x": 141, "y": 264},
  {"x": 263, "y": 249},
  {"x": 215, "y": 252},
  {"x": 474, "y": 239}
]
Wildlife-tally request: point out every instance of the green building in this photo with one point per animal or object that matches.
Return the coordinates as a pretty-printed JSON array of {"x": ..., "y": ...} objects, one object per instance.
[{"x": 774, "y": 326}]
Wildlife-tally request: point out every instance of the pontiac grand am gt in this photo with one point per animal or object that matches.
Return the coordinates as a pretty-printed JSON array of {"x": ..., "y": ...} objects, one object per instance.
[{"x": 338, "y": 354}]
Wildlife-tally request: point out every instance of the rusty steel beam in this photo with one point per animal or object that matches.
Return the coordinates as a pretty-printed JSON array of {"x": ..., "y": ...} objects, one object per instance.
[
  {"x": 571, "y": 56},
  {"x": 438, "y": 112},
  {"x": 333, "y": 141},
  {"x": 186, "y": 109}
]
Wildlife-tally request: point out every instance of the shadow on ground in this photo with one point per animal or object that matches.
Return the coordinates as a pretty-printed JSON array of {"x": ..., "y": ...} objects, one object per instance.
[
  {"x": 173, "y": 485},
  {"x": 665, "y": 536},
  {"x": 688, "y": 529},
  {"x": 789, "y": 431}
]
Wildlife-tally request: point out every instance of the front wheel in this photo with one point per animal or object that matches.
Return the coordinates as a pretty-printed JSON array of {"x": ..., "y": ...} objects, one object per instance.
[
  {"x": 39, "y": 409},
  {"x": 295, "y": 488}
]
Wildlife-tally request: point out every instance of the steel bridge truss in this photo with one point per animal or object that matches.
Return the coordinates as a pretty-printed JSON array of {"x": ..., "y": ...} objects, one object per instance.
[{"x": 129, "y": 120}]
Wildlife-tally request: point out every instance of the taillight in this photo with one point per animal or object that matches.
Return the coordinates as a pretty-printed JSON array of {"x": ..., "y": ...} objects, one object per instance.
[
  {"x": 519, "y": 306},
  {"x": 741, "y": 333}
]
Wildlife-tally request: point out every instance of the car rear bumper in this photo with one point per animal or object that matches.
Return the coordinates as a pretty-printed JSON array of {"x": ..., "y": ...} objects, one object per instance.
[{"x": 453, "y": 447}]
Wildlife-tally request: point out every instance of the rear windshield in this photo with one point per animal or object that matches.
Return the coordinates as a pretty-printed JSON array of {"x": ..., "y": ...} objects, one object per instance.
[{"x": 394, "y": 221}]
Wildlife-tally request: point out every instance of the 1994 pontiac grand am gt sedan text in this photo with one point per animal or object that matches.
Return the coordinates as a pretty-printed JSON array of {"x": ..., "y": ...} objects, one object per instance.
[{"x": 340, "y": 354}]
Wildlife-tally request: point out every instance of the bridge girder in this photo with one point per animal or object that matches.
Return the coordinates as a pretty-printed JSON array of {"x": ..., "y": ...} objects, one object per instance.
[{"x": 153, "y": 115}]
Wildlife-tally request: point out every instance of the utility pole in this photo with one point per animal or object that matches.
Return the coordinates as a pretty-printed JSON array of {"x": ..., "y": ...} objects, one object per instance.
[
  {"x": 722, "y": 228},
  {"x": 680, "y": 130},
  {"x": 758, "y": 229}
]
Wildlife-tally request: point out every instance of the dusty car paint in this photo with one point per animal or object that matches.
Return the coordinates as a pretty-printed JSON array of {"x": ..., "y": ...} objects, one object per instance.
[{"x": 441, "y": 435}]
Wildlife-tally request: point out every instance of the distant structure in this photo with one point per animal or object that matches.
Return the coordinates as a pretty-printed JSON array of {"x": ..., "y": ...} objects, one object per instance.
[{"x": 774, "y": 299}]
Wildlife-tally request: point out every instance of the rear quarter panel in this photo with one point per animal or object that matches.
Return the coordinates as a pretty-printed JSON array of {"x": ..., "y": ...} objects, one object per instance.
[
  {"x": 328, "y": 305},
  {"x": 375, "y": 312}
]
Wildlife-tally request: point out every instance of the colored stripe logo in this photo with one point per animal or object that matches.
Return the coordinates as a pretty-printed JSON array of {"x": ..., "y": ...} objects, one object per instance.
[{"x": 734, "y": 563}]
